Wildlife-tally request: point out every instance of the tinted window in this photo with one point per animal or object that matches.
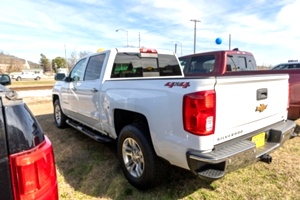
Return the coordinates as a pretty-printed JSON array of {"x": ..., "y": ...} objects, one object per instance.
[
  {"x": 133, "y": 65},
  {"x": 294, "y": 66},
  {"x": 240, "y": 63},
  {"x": 287, "y": 66},
  {"x": 183, "y": 61},
  {"x": 23, "y": 131},
  {"x": 94, "y": 67},
  {"x": 200, "y": 64},
  {"x": 78, "y": 70}
]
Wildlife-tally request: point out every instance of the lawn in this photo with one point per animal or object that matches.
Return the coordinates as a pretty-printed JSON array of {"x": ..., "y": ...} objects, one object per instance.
[
  {"x": 45, "y": 81},
  {"x": 88, "y": 170}
]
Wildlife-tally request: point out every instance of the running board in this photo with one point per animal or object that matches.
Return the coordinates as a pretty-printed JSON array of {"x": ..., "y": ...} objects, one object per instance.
[{"x": 91, "y": 134}]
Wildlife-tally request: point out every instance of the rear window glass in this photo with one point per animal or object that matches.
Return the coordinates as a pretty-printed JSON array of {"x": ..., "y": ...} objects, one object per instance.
[
  {"x": 200, "y": 64},
  {"x": 240, "y": 63},
  {"x": 23, "y": 130},
  {"x": 133, "y": 65}
]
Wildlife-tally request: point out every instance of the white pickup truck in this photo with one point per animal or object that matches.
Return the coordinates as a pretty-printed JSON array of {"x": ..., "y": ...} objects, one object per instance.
[
  {"x": 140, "y": 97},
  {"x": 36, "y": 75}
]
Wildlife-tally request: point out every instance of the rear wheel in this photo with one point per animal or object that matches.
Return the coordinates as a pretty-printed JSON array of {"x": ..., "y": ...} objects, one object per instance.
[
  {"x": 18, "y": 78},
  {"x": 37, "y": 78},
  {"x": 59, "y": 117},
  {"x": 138, "y": 160}
]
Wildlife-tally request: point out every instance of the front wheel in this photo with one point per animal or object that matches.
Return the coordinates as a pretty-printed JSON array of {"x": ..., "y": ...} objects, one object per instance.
[
  {"x": 59, "y": 117},
  {"x": 18, "y": 78},
  {"x": 138, "y": 160}
]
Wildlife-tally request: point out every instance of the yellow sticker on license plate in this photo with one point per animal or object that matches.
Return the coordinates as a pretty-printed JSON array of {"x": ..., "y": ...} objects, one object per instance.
[{"x": 259, "y": 139}]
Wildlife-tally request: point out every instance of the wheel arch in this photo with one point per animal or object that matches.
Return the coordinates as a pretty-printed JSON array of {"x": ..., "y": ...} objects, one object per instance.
[
  {"x": 125, "y": 117},
  {"x": 54, "y": 98}
]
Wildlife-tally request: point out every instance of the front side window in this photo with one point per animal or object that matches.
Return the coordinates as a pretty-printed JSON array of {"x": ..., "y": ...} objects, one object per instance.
[
  {"x": 134, "y": 65},
  {"x": 78, "y": 71}
]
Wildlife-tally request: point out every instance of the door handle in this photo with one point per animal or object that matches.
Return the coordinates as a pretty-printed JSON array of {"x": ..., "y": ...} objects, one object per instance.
[
  {"x": 262, "y": 94},
  {"x": 94, "y": 90}
]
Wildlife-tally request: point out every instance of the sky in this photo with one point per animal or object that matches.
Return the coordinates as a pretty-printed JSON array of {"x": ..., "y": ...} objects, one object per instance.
[{"x": 266, "y": 28}]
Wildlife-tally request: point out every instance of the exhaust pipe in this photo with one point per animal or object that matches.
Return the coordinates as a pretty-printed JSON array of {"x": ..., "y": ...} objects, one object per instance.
[{"x": 266, "y": 158}]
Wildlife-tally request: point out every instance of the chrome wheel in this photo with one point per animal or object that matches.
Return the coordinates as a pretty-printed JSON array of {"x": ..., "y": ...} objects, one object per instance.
[
  {"x": 59, "y": 117},
  {"x": 133, "y": 157},
  {"x": 57, "y": 113}
]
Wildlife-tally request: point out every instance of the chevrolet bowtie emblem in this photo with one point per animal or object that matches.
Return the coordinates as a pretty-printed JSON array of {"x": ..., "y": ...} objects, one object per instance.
[{"x": 261, "y": 107}]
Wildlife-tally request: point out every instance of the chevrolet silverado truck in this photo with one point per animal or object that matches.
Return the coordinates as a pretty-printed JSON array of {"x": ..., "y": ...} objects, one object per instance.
[
  {"x": 27, "y": 162},
  {"x": 236, "y": 63},
  {"x": 140, "y": 98},
  {"x": 28, "y": 74}
]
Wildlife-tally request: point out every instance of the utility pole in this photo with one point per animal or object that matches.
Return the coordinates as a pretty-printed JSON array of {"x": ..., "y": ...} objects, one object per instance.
[
  {"x": 229, "y": 41},
  {"x": 176, "y": 45},
  {"x": 195, "y": 21},
  {"x": 139, "y": 40}
]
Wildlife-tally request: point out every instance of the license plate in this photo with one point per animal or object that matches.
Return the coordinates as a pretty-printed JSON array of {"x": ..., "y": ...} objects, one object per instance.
[{"x": 259, "y": 139}]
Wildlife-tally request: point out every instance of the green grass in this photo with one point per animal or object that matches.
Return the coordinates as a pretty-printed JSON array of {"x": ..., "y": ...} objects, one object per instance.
[{"x": 32, "y": 82}]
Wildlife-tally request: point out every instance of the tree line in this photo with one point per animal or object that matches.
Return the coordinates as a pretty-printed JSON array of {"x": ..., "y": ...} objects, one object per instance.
[{"x": 59, "y": 62}]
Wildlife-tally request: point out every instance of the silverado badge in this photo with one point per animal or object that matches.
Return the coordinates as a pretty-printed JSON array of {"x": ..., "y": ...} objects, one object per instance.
[{"x": 261, "y": 107}]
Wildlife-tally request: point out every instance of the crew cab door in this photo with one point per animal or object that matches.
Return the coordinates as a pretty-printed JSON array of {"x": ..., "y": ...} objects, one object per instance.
[
  {"x": 69, "y": 89},
  {"x": 89, "y": 102}
]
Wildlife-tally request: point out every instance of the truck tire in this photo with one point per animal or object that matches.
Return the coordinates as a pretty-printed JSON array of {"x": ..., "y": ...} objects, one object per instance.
[
  {"x": 37, "y": 78},
  {"x": 18, "y": 78},
  {"x": 59, "y": 117},
  {"x": 138, "y": 160}
]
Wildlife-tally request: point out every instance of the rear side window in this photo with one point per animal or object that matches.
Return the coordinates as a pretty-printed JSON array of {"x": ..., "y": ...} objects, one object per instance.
[
  {"x": 240, "y": 63},
  {"x": 94, "y": 67},
  {"x": 133, "y": 65}
]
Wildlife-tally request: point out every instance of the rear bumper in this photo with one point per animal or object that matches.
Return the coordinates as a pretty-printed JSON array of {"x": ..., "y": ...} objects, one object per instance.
[{"x": 238, "y": 153}]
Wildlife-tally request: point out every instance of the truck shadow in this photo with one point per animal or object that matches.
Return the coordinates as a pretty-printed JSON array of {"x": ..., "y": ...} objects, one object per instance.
[{"x": 92, "y": 168}]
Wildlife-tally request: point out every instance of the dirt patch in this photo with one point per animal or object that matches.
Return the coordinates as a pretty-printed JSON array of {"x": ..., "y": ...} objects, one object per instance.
[{"x": 41, "y": 107}]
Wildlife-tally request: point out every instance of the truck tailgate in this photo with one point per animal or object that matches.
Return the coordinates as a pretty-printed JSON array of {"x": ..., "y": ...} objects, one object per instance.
[{"x": 248, "y": 103}]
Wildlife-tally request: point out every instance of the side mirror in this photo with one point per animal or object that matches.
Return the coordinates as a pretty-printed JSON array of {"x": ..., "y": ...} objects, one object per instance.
[
  {"x": 59, "y": 76},
  {"x": 5, "y": 79}
]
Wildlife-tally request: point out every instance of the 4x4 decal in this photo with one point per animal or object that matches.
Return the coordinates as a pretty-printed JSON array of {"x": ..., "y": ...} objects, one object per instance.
[{"x": 180, "y": 84}]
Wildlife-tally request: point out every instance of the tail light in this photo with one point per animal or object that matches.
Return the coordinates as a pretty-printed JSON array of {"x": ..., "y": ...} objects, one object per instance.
[
  {"x": 34, "y": 174},
  {"x": 199, "y": 110}
]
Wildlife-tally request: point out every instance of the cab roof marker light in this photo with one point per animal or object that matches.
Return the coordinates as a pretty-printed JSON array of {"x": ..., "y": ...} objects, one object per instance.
[{"x": 145, "y": 50}]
